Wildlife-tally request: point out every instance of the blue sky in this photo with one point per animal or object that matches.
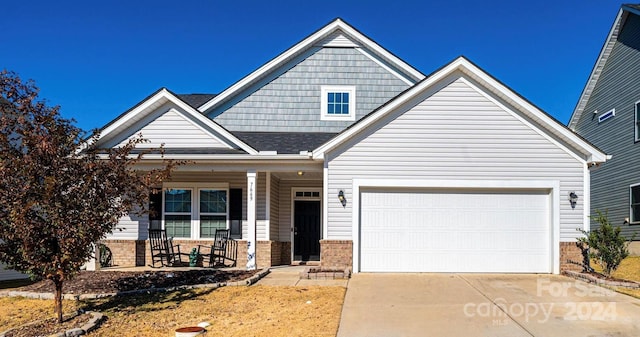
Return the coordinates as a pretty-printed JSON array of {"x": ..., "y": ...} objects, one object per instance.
[{"x": 96, "y": 59}]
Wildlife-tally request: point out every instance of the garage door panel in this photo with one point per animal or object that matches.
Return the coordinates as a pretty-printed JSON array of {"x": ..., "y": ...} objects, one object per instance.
[{"x": 461, "y": 231}]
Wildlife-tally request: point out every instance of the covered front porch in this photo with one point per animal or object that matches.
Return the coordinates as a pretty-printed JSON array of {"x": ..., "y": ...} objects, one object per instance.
[{"x": 274, "y": 212}]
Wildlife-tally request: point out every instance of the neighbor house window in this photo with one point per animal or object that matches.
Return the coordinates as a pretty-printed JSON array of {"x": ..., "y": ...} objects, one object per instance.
[
  {"x": 338, "y": 103},
  {"x": 213, "y": 212},
  {"x": 634, "y": 208},
  {"x": 177, "y": 212},
  {"x": 637, "y": 120}
]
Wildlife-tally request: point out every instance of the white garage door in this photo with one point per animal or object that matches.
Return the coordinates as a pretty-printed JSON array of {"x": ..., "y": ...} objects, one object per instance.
[{"x": 455, "y": 231}]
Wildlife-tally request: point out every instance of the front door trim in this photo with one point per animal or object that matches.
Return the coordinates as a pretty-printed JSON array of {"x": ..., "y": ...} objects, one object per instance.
[{"x": 314, "y": 191}]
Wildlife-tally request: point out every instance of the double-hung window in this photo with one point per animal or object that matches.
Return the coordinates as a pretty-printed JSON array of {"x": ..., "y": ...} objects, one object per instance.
[
  {"x": 177, "y": 212},
  {"x": 634, "y": 209},
  {"x": 195, "y": 210},
  {"x": 213, "y": 211},
  {"x": 338, "y": 103}
]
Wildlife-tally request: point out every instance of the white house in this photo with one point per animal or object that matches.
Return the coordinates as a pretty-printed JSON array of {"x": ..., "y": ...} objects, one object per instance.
[{"x": 337, "y": 152}]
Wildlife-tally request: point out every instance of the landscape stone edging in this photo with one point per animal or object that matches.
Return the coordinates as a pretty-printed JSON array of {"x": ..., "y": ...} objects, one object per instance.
[
  {"x": 94, "y": 322},
  {"x": 73, "y": 297},
  {"x": 325, "y": 273},
  {"x": 595, "y": 280}
]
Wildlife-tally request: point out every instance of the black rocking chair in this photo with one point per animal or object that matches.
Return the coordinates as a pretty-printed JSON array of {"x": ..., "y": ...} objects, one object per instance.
[
  {"x": 163, "y": 251},
  {"x": 218, "y": 250}
]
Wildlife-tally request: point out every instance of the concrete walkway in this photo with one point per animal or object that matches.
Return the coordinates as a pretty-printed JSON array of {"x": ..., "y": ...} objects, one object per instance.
[
  {"x": 290, "y": 276},
  {"x": 484, "y": 305}
]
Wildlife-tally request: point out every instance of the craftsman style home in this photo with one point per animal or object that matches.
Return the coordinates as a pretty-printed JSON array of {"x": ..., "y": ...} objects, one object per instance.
[
  {"x": 336, "y": 152},
  {"x": 608, "y": 115}
]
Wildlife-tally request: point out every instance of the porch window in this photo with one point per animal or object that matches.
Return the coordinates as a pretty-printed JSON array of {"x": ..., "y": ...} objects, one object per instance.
[
  {"x": 635, "y": 203},
  {"x": 177, "y": 212},
  {"x": 213, "y": 212}
]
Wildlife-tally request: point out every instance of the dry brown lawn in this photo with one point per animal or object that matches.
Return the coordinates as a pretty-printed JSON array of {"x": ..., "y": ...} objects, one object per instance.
[
  {"x": 232, "y": 311},
  {"x": 629, "y": 269}
]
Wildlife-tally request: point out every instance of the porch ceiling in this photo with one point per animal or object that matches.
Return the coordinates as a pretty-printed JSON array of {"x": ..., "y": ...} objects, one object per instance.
[{"x": 295, "y": 176}]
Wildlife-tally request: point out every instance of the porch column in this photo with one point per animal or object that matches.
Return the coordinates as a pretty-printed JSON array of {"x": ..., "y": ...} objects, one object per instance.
[{"x": 251, "y": 219}]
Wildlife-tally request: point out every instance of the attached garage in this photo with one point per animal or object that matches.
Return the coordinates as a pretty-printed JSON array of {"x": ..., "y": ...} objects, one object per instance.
[
  {"x": 457, "y": 174},
  {"x": 455, "y": 230}
]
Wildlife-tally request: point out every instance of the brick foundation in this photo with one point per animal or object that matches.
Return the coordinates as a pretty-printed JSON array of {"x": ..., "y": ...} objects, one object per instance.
[
  {"x": 285, "y": 253},
  {"x": 125, "y": 253},
  {"x": 571, "y": 258},
  {"x": 336, "y": 254}
]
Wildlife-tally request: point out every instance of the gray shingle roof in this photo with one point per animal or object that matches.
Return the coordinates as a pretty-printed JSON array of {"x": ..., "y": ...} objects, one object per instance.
[
  {"x": 284, "y": 142},
  {"x": 196, "y": 100},
  {"x": 194, "y": 151}
]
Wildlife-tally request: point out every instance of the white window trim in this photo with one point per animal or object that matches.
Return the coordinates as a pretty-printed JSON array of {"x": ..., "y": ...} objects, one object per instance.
[
  {"x": 200, "y": 213},
  {"x": 195, "y": 203},
  {"x": 164, "y": 213},
  {"x": 636, "y": 127},
  {"x": 325, "y": 89},
  {"x": 631, "y": 219}
]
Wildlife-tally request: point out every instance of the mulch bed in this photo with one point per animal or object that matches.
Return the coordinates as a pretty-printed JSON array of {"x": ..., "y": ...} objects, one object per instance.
[{"x": 104, "y": 282}]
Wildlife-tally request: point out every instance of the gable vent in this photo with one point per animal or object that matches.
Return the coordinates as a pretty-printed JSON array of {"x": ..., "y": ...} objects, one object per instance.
[{"x": 337, "y": 39}]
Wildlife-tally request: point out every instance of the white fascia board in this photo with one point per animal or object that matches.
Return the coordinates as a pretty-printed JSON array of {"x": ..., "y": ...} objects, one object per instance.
[
  {"x": 592, "y": 153},
  {"x": 417, "y": 89},
  {"x": 162, "y": 93},
  {"x": 193, "y": 113},
  {"x": 210, "y": 123},
  {"x": 596, "y": 71},
  {"x": 337, "y": 24},
  {"x": 463, "y": 65}
]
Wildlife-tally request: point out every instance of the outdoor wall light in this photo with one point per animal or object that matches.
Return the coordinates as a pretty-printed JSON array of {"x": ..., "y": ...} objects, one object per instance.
[
  {"x": 300, "y": 173},
  {"x": 342, "y": 198},
  {"x": 573, "y": 199}
]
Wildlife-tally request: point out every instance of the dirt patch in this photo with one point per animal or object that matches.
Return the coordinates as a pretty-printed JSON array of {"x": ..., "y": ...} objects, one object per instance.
[{"x": 104, "y": 282}]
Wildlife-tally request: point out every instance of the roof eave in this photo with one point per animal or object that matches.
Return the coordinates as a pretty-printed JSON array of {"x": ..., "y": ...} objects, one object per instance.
[
  {"x": 465, "y": 66},
  {"x": 597, "y": 69}
]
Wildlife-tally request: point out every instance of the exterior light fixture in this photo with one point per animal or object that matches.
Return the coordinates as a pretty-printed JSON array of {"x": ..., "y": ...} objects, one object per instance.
[
  {"x": 300, "y": 173},
  {"x": 342, "y": 198},
  {"x": 573, "y": 199}
]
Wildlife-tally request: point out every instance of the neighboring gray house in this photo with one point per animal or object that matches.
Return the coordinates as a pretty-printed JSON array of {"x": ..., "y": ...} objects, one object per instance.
[
  {"x": 608, "y": 115},
  {"x": 338, "y": 153}
]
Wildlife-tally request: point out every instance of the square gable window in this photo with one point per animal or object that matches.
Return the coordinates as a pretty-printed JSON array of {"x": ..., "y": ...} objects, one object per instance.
[{"x": 338, "y": 103}]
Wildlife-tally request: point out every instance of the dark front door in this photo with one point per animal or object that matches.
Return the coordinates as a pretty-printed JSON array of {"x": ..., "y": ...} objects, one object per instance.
[{"x": 306, "y": 231}]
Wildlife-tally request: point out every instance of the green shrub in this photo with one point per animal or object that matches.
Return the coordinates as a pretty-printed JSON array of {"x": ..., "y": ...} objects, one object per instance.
[{"x": 606, "y": 245}]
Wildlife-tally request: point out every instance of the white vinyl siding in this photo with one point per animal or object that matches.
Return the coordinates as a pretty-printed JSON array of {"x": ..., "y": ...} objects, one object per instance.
[
  {"x": 175, "y": 130},
  {"x": 453, "y": 134},
  {"x": 274, "y": 214},
  {"x": 286, "y": 204},
  {"x": 173, "y": 127}
]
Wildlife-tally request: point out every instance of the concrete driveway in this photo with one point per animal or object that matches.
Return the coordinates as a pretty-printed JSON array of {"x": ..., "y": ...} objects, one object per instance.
[{"x": 495, "y": 305}]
